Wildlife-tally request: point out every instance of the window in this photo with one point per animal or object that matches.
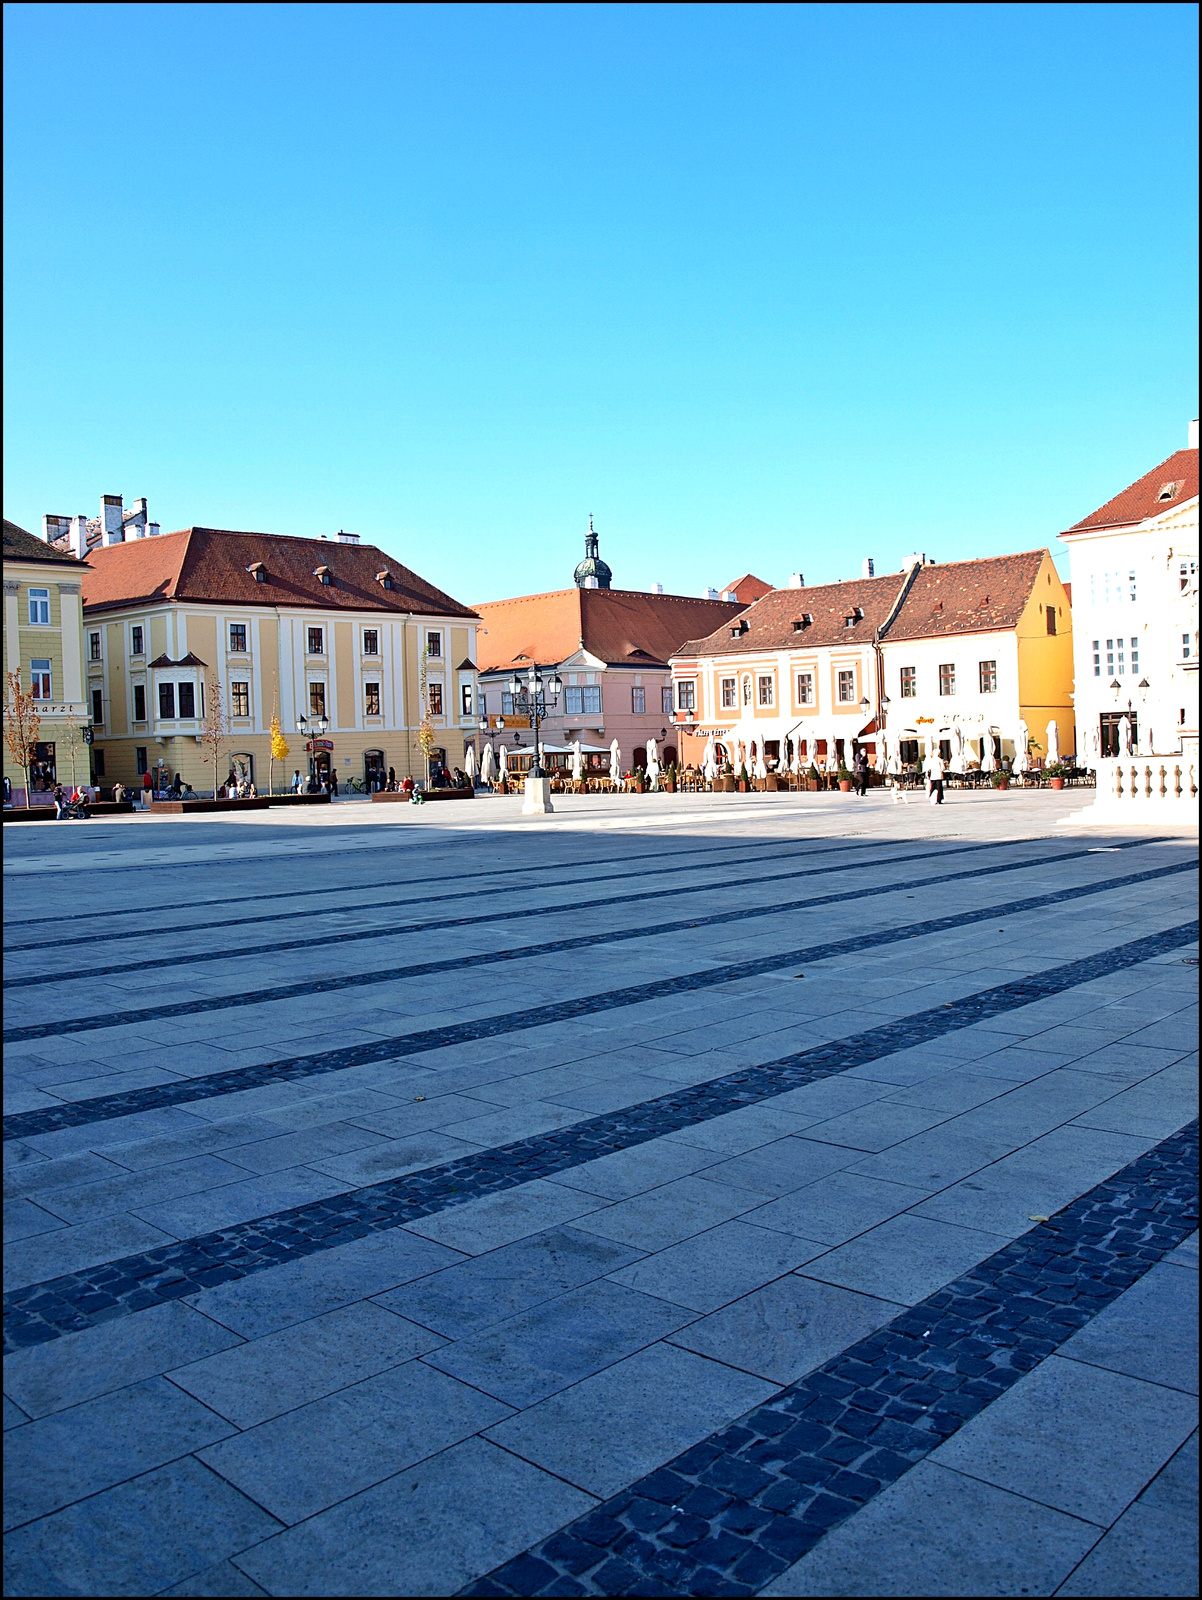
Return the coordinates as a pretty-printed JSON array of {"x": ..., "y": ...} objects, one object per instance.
[
  {"x": 847, "y": 687},
  {"x": 686, "y": 695},
  {"x": 317, "y": 642},
  {"x": 728, "y": 694},
  {"x": 573, "y": 702},
  {"x": 371, "y": 642},
  {"x": 371, "y": 699},
  {"x": 93, "y": 647},
  {"x": 135, "y": 642},
  {"x": 1185, "y": 648},
  {"x": 140, "y": 759},
  {"x": 805, "y": 688},
  {"x": 187, "y": 699},
  {"x": 1167, "y": 491},
  {"x": 1134, "y": 657},
  {"x": 592, "y": 699},
  {"x": 317, "y": 699},
  {"x": 435, "y": 690},
  {"x": 167, "y": 701},
  {"x": 665, "y": 700},
  {"x": 1049, "y": 615},
  {"x": 98, "y": 707},
  {"x": 765, "y": 688},
  {"x": 988, "y": 671},
  {"x": 506, "y": 703},
  {"x": 1110, "y": 658},
  {"x": 139, "y": 702},
  {"x": 909, "y": 683},
  {"x": 638, "y": 701},
  {"x": 98, "y": 763},
  {"x": 1097, "y": 659},
  {"x": 1122, "y": 652},
  {"x": 434, "y": 644},
  {"x": 947, "y": 678},
  {"x": 239, "y": 700},
  {"x": 465, "y": 699},
  {"x": 1131, "y": 587},
  {"x": 747, "y": 690},
  {"x": 238, "y": 638},
  {"x": 39, "y": 608},
  {"x": 1186, "y": 574}
]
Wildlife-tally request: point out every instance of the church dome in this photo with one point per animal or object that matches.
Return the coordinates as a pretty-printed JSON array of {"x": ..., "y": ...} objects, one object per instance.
[{"x": 592, "y": 572}]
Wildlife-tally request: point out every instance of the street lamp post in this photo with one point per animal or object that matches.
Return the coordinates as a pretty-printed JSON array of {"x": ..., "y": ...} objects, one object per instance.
[
  {"x": 312, "y": 728},
  {"x": 531, "y": 697}
]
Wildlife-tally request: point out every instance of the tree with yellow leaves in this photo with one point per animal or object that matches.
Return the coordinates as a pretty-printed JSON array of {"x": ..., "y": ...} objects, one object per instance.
[
  {"x": 279, "y": 747},
  {"x": 22, "y": 724}
]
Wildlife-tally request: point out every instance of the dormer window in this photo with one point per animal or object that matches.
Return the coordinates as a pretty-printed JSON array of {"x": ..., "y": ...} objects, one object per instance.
[
  {"x": 258, "y": 571},
  {"x": 741, "y": 627},
  {"x": 806, "y": 620},
  {"x": 323, "y": 575},
  {"x": 384, "y": 579},
  {"x": 1168, "y": 491},
  {"x": 853, "y": 616}
]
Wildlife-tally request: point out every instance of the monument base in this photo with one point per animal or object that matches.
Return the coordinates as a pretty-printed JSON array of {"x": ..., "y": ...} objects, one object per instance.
[{"x": 538, "y": 797}]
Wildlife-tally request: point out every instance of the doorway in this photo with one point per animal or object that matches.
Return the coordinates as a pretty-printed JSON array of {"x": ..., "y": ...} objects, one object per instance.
[{"x": 1111, "y": 732}]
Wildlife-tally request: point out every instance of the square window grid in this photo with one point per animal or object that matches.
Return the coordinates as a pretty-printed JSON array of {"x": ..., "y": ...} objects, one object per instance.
[
  {"x": 728, "y": 693},
  {"x": 371, "y": 642},
  {"x": 435, "y": 699},
  {"x": 238, "y": 638}
]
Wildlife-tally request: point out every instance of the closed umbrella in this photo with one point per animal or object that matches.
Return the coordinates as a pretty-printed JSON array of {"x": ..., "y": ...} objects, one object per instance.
[
  {"x": 832, "y": 756},
  {"x": 486, "y": 765},
  {"x": 653, "y": 763},
  {"x": 761, "y": 766},
  {"x": 577, "y": 761},
  {"x": 1053, "y": 742},
  {"x": 882, "y": 753},
  {"x": 958, "y": 743},
  {"x": 1022, "y": 751},
  {"x": 987, "y": 761},
  {"x": 503, "y": 764},
  {"x": 1125, "y": 733},
  {"x": 469, "y": 761},
  {"x": 709, "y": 760},
  {"x": 615, "y": 760},
  {"x": 1094, "y": 748}
]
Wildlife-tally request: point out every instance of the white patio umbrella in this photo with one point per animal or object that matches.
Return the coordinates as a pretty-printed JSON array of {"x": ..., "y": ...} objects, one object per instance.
[
  {"x": 1022, "y": 748},
  {"x": 469, "y": 761},
  {"x": 709, "y": 760},
  {"x": 987, "y": 761},
  {"x": 958, "y": 745},
  {"x": 653, "y": 763},
  {"x": 503, "y": 764},
  {"x": 1053, "y": 742},
  {"x": 832, "y": 755},
  {"x": 615, "y": 760},
  {"x": 882, "y": 752},
  {"x": 761, "y": 765},
  {"x": 577, "y": 761},
  {"x": 1125, "y": 730},
  {"x": 1093, "y": 748},
  {"x": 487, "y": 766}
]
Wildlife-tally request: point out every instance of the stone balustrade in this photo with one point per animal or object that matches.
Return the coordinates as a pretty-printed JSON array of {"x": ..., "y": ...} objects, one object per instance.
[{"x": 1156, "y": 781}]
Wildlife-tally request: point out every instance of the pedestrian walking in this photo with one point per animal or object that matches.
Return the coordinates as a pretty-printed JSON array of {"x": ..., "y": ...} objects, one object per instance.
[
  {"x": 935, "y": 778},
  {"x": 860, "y": 770}
]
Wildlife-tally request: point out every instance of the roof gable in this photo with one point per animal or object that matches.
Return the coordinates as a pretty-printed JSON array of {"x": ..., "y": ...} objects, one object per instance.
[
  {"x": 1167, "y": 486},
  {"x": 778, "y": 621},
  {"x": 616, "y": 627},
  {"x": 748, "y": 588},
  {"x": 20, "y": 545}
]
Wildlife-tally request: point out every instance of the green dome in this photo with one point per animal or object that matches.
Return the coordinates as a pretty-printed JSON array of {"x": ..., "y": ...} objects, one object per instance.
[{"x": 592, "y": 566}]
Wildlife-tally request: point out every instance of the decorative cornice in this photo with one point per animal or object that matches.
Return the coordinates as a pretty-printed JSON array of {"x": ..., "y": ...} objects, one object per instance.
[
  {"x": 69, "y": 588},
  {"x": 10, "y": 587}
]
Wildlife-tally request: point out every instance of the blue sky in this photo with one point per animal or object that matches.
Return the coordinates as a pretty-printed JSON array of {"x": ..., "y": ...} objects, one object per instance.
[{"x": 764, "y": 288}]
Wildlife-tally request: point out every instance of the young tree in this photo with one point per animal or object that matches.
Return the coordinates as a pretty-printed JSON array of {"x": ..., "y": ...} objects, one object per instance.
[
  {"x": 279, "y": 748},
  {"x": 425, "y": 732},
  {"x": 213, "y": 728},
  {"x": 22, "y": 724},
  {"x": 71, "y": 722}
]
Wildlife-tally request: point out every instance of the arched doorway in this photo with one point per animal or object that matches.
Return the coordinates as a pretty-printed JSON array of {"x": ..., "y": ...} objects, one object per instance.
[{"x": 374, "y": 771}]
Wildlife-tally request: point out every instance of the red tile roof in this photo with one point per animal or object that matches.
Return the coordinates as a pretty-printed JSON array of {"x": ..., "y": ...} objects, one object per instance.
[
  {"x": 1141, "y": 499},
  {"x": 210, "y": 565},
  {"x": 959, "y": 597},
  {"x": 20, "y": 545},
  {"x": 619, "y": 626},
  {"x": 748, "y": 588}
]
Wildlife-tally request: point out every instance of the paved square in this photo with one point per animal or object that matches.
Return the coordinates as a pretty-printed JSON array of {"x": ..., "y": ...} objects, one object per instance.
[{"x": 680, "y": 1194}]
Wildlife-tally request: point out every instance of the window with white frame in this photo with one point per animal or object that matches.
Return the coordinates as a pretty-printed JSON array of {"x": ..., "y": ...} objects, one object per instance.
[
  {"x": 638, "y": 701},
  {"x": 1186, "y": 575},
  {"x": 317, "y": 642},
  {"x": 187, "y": 700},
  {"x": 1122, "y": 644},
  {"x": 434, "y": 644},
  {"x": 988, "y": 677},
  {"x": 847, "y": 686},
  {"x": 1186, "y": 644},
  {"x": 135, "y": 641},
  {"x": 139, "y": 702},
  {"x": 93, "y": 647},
  {"x": 766, "y": 689},
  {"x": 805, "y": 688},
  {"x": 39, "y": 608},
  {"x": 506, "y": 703},
  {"x": 98, "y": 707},
  {"x": 371, "y": 641},
  {"x": 240, "y": 699},
  {"x": 1097, "y": 658},
  {"x": 909, "y": 683},
  {"x": 39, "y": 680},
  {"x": 686, "y": 695},
  {"x": 728, "y": 694},
  {"x": 465, "y": 699},
  {"x": 167, "y": 702},
  {"x": 317, "y": 699},
  {"x": 947, "y": 677},
  {"x": 1110, "y": 658},
  {"x": 1134, "y": 657},
  {"x": 371, "y": 699},
  {"x": 665, "y": 699},
  {"x": 434, "y": 691},
  {"x": 238, "y": 638}
]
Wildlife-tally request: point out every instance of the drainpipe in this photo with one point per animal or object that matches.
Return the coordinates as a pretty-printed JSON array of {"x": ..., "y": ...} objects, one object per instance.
[
  {"x": 880, "y": 633},
  {"x": 405, "y": 620}
]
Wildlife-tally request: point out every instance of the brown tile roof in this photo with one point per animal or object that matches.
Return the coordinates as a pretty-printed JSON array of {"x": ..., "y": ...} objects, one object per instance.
[
  {"x": 22, "y": 546},
  {"x": 959, "y": 597},
  {"x": 968, "y": 596},
  {"x": 770, "y": 620},
  {"x": 210, "y": 565},
  {"x": 619, "y": 626},
  {"x": 748, "y": 588},
  {"x": 1141, "y": 499}
]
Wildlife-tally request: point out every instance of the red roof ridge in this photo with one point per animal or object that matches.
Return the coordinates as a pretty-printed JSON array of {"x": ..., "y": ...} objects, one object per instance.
[{"x": 1140, "y": 500}]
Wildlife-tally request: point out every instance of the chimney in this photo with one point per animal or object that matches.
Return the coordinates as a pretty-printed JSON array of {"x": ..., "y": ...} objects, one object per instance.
[
  {"x": 153, "y": 530},
  {"x": 79, "y": 536},
  {"x": 110, "y": 519},
  {"x": 729, "y": 594},
  {"x": 1193, "y": 434},
  {"x": 657, "y": 588},
  {"x": 797, "y": 580},
  {"x": 866, "y": 570},
  {"x": 347, "y": 538},
  {"x": 709, "y": 594},
  {"x": 917, "y": 559},
  {"x": 135, "y": 520}
]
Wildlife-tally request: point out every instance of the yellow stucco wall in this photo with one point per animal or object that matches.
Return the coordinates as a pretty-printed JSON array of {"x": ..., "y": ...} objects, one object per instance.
[{"x": 1045, "y": 662}]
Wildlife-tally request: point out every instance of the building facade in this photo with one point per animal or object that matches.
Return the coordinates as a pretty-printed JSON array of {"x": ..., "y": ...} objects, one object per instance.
[
  {"x": 982, "y": 646},
  {"x": 283, "y": 626},
  {"x": 43, "y": 645},
  {"x": 1135, "y": 594},
  {"x": 612, "y": 649}
]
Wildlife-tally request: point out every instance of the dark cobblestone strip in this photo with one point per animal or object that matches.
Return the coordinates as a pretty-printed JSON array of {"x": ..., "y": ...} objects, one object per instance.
[
  {"x": 357, "y": 980},
  {"x": 644, "y": 870},
  {"x": 516, "y": 914},
  {"x": 732, "y": 1513},
  {"x": 186, "y": 1091},
  {"x": 41, "y": 1312}
]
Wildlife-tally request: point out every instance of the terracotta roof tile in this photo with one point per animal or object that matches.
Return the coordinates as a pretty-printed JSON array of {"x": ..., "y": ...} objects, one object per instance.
[
  {"x": 621, "y": 627},
  {"x": 1142, "y": 499},
  {"x": 770, "y": 621},
  {"x": 20, "y": 545},
  {"x": 210, "y": 564},
  {"x": 968, "y": 596},
  {"x": 749, "y": 588}
]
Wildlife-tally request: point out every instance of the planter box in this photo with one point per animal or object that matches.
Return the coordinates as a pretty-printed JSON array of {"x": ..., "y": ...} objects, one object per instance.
[
  {"x": 98, "y": 808},
  {"x": 176, "y": 807},
  {"x": 727, "y": 785},
  {"x": 296, "y": 800},
  {"x": 443, "y": 794},
  {"x": 772, "y": 783}
]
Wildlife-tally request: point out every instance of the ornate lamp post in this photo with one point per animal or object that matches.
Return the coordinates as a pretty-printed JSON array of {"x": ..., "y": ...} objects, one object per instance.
[
  {"x": 531, "y": 697},
  {"x": 312, "y": 728}
]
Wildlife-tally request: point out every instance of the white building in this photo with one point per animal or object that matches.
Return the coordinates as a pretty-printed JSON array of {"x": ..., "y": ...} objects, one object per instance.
[{"x": 1135, "y": 607}]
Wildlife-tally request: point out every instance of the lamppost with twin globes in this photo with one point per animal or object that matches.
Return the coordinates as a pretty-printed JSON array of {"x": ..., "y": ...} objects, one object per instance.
[
  {"x": 313, "y": 728},
  {"x": 532, "y": 695}
]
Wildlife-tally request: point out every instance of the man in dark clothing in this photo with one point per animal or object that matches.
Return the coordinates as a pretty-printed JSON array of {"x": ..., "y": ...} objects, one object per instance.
[{"x": 860, "y": 769}]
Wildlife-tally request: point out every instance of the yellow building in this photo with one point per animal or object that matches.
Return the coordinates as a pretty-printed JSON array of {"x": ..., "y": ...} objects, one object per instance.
[
  {"x": 285, "y": 627},
  {"x": 43, "y": 643}
]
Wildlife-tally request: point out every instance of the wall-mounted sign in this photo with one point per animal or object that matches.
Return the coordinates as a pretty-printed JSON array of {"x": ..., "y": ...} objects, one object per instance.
[
  {"x": 510, "y": 720},
  {"x": 319, "y": 744}
]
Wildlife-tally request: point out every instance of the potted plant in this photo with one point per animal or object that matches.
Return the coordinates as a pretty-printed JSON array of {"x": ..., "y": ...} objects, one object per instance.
[
  {"x": 670, "y": 777},
  {"x": 813, "y": 781},
  {"x": 726, "y": 778},
  {"x": 742, "y": 780},
  {"x": 772, "y": 782},
  {"x": 844, "y": 779},
  {"x": 1054, "y": 772},
  {"x": 1000, "y": 779},
  {"x": 635, "y": 780}
]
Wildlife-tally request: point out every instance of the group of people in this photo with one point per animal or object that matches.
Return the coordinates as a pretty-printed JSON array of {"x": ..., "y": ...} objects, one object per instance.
[
  {"x": 74, "y": 804},
  {"x": 315, "y": 783}
]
